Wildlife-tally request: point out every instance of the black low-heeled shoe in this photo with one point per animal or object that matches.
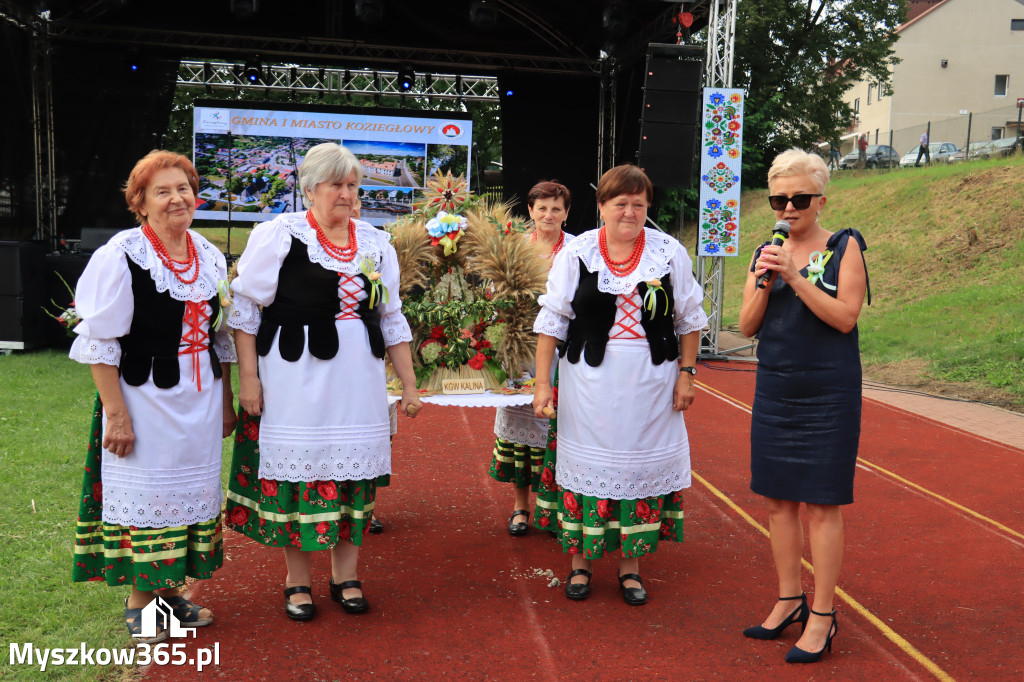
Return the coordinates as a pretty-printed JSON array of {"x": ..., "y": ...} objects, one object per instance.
[
  {"x": 634, "y": 596},
  {"x": 376, "y": 527},
  {"x": 521, "y": 527},
  {"x": 578, "y": 591},
  {"x": 800, "y": 615},
  {"x": 353, "y": 605},
  {"x": 798, "y": 655},
  {"x": 301, "y": 612}
]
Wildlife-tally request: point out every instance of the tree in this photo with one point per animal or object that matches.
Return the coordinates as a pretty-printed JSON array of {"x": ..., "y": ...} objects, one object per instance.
[{"x": 796, "y": 59}]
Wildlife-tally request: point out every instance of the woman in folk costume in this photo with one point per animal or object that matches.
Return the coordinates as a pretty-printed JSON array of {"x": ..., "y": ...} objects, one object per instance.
[
  {"x": 624, "y": 300},
  {"x": 311, "y": 363},
  {"x": 521, "y": 438},
  {"x": 149, "y": 514}
]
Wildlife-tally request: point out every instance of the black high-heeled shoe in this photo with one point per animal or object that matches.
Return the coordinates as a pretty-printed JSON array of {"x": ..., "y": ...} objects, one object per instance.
[
  {"x": 798, "y": 655},
  {"x": 799, "y": 616},
  {"x": 300, "y": 612},
  {"x": 353, "y": 605}
]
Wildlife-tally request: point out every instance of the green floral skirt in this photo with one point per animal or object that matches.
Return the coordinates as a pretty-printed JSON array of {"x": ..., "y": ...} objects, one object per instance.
[
  {"x": 310, "y": 516},
  {"x": 148, "y": 558},
  {"x": 516, "y": 463},
  {"x": 545, "y": 515},
  {"x": 621, "y": 528}
]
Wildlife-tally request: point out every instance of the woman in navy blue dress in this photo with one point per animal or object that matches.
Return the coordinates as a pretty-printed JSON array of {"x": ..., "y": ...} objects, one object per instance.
[{"x": 805, "y": 425}]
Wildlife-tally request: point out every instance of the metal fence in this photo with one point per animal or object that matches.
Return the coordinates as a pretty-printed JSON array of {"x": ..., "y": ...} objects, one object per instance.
[{"x": 962, "y": 129}]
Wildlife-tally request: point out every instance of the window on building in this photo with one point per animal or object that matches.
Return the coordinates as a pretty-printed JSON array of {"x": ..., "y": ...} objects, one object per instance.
[
  {"x": 997, "y": 133},
  {"x": 881, "y": 91},
  {"x": 1017, "y": 24},
  {"x": 871, "y": 86},
  {"x": 1002, "y": 82},
  {"x": 856, "y": 106}
]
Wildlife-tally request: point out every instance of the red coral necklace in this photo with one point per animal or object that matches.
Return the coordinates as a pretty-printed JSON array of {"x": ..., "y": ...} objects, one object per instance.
[
  {"x": 177, "y": 267},
  {"x": 623, "y": 267},
  {"x": 342, "y": 253},
  {"x": 554, "y": 249}
]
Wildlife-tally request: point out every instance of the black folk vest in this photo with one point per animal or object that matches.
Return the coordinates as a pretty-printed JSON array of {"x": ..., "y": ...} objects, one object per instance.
[
  {"x": 151, "y": 346},
  {"x": 307, "y": 296},
  {"x": 595, "y": 316}
]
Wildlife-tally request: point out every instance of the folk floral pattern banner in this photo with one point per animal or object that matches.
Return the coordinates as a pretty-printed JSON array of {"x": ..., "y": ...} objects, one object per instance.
[{"x": 720, "y": 163}]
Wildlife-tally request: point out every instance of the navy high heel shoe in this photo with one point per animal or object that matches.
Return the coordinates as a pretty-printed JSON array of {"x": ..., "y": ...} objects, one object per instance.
[
  {"x": 799, "y": 616},
  {"x": 798, "y": 655}
]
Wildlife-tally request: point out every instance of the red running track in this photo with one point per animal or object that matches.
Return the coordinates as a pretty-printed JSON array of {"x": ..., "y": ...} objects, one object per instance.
[{"x": 932, "y": 578}]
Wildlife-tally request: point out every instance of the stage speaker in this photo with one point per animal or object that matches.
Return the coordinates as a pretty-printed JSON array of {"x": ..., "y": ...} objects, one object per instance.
[
  {"x": 669, "y": 122},
  {"x": 95, "y": 237},
  {"x": 22, "y": 294}
]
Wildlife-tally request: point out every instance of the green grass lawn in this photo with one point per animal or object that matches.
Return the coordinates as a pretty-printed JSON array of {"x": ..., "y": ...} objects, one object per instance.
[{"x": 44, "y": 421}]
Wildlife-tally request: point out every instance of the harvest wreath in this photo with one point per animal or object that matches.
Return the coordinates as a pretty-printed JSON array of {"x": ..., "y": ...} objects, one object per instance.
[{"x": 469, "y": 284}]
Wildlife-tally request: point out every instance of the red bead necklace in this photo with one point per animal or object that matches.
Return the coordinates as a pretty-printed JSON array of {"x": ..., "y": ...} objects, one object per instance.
[
  {"x": 342, "y": 253},
  {"x": 554, "y": 249},
  {"x": 623, "y": 267},
  {"x": 177, "y": 267}
]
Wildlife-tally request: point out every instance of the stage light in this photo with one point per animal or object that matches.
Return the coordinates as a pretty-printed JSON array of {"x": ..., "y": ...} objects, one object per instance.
[
  {"x": 253, "y": 72},
  {"x": 614, "y": 18},
  {"x": 244, "y": 9},
  {"x": 509, "y": 92},
  {"x": 370, "y": 11},
  {"x": 406, "y": 78},
  {"x": 482, "y": 15}
]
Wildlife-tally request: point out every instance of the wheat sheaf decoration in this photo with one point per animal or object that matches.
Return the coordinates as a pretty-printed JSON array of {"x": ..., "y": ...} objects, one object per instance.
[{"x": 470, "y": 280}]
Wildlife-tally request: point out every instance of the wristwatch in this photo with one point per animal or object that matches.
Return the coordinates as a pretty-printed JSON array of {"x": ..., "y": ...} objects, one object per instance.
[{"x": 689, "y": 370}]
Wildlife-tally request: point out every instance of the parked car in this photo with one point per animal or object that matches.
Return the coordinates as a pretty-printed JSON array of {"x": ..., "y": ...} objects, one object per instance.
[
  {"x": 976, "y": 150},
  {"x": 879, "y": 156},
  {"x": 1003, "y": 147},
  {"x": 941, "y": 152}
]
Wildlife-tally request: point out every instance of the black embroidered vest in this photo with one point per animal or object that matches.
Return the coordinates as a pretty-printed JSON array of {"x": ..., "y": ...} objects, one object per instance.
[
  {"x": 151, "y": 346},
  {"x": 307, "y": 296},
  {"x": 595, "y": 316}
]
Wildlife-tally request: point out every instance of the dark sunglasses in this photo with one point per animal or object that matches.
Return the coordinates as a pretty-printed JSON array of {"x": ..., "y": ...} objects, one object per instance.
[{"x": 800, "y": 201}]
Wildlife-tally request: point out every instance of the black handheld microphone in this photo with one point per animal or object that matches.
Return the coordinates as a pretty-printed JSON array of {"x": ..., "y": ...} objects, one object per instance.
[{"x": 779, "y": 235}]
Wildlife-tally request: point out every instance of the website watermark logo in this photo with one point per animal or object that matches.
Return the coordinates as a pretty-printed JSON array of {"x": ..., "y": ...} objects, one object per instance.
[{"x": 158, "y": 615}]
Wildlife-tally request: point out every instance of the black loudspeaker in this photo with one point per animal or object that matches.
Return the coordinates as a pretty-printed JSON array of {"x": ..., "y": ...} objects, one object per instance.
[
  {"x": 95, "y": 237},
  {"x": 669, "y": 123},
  {"x": 22, "y": 294}
]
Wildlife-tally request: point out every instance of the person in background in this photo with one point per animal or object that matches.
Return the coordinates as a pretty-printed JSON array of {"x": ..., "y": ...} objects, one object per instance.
[
  {"x": 833, "y": 155},
  {"x": 862, "y": 151},
  {"x": 521, "y": 438},
  {"x": 624, "y": 299},
  {"x": 152, "y": 333},
  {"x": 923, "y": 151},
  {"x": 312, "y": 326},
  {"x": 805, "y": 424}
]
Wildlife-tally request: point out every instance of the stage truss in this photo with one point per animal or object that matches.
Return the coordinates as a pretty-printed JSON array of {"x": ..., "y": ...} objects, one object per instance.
[
  {"x": 298, "y": 79},
  {"x": 717, "y": 73}
]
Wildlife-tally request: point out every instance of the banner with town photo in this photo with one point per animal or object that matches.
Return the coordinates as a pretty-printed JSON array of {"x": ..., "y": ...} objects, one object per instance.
[{"x": 248, "y": 158}]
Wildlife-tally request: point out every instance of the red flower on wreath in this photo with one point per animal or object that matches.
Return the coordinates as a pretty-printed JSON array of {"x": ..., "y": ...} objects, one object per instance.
[
  {"x": 604, "y": 509},
  {"x": 437, "y": 332},
  {"x": 477, "y": 361},
  {"x": 269, "y": 486},
  {"x": 571, "y": 504},
  {"x": 327, "y": 489},
  {"x": 322, "y": 527},
  {"x": 97, "y": 491},
  {"x": 238, "y": 516}
]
